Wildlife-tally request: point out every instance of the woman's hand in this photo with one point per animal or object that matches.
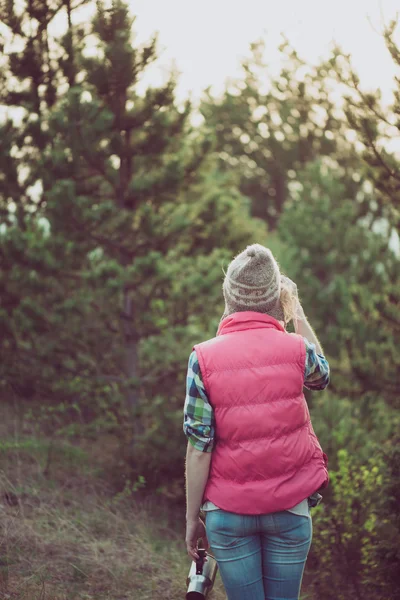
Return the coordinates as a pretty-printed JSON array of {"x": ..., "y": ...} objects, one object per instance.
[
  {"x": 195, "y": 530},
  {"x": 300, "y": 322}
]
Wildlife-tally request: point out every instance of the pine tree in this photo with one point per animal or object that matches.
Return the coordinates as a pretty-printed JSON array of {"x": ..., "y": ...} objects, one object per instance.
[
  {"x": 140, "y": 223},
  {"x": 34, "y": 67},
  {"x": 345, "y": 271},
  {"x": 270, "y": 127}
]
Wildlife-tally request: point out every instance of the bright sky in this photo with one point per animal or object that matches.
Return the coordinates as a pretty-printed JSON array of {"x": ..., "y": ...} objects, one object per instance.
[{"x": 207, "y": 38}]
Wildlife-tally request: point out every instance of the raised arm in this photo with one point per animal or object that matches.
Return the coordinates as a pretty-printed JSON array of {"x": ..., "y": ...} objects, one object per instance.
[{"x": 303, "y": 327}]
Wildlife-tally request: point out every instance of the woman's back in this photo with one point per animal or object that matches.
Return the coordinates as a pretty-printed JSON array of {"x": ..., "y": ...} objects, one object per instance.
[
  {"x": 253, "y": 461},
  {"x": 266, "y": 455}
]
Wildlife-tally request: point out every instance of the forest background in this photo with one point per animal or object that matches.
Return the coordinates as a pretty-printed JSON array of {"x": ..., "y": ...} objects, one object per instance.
[{"x": 119, "y": 208}]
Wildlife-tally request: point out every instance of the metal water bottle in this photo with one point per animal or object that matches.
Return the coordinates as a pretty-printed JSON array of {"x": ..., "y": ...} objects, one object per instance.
[{"x": 201, "y": 576}]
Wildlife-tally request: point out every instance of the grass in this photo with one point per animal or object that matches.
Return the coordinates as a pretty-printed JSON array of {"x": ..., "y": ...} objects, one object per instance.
[{"x": 66, "y": 535}]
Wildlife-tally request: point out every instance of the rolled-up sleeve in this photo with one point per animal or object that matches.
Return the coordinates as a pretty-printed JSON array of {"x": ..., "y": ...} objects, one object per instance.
[
  {"x": 317, "y": 372},
  {"x": 198, "y": 419}
]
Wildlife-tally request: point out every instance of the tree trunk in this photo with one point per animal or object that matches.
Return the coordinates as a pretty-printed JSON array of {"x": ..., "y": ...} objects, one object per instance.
[{"x": 131, "y": 360}]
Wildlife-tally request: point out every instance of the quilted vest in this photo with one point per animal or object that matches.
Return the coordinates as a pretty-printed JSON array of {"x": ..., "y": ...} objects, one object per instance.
[{"x": 266, "y": 457}]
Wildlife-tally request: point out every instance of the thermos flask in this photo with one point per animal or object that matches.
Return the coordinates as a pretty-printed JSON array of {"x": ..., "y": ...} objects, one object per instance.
[{"x": 201, "y": 576}]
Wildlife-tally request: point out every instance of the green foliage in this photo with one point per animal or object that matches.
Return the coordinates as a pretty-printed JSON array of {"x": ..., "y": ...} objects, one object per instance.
[
  {"x": 268, "y": 127},
  {"x": 117, "y": 220},
  {"x": 130, "y": 488},
  {"x": 354, "y": 530},
  {"x": 346, "y": 274},
  {"x": 38, "y": 450},
  {"x": 345, "y": 423},
  {"x": 112, "y": 270}
]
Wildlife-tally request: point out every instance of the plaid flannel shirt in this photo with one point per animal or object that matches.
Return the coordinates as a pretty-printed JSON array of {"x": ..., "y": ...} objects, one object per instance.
[{"x": 198, "y": 422}]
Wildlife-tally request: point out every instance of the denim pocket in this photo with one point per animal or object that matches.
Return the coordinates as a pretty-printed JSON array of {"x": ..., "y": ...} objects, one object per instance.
[{"x": 225, "y": 529}]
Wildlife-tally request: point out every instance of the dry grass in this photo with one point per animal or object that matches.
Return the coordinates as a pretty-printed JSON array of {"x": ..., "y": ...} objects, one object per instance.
[{"x": 65, "y": 536}]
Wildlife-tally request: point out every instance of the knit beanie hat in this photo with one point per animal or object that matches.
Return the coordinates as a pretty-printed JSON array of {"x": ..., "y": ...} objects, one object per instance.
[{"x": 253, "y": 282}]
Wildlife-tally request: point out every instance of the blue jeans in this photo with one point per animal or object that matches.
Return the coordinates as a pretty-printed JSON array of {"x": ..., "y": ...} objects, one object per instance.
[{"x": 260, "y": 557}]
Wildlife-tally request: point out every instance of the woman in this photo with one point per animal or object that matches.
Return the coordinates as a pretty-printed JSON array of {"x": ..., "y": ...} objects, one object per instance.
[{"x": 253, "y": 460}]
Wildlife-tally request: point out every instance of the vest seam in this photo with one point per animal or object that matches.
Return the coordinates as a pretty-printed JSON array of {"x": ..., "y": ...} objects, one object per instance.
[
  {"x": 271, "y": 437},
  {"x": 203, "y": 368},
  {"x": 244, "y": 404},
  {"x": 302, "y": 361},
  {"x": 267, "y": 478},
  {"x": 293, "y": 363}
]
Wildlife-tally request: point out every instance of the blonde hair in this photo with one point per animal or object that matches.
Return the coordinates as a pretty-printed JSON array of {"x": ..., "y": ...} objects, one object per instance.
[{"x": 288, "y": 301}]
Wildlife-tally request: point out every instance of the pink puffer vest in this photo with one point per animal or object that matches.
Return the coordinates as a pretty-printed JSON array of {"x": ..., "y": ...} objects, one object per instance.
[{"x": 266, "y": 457}]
